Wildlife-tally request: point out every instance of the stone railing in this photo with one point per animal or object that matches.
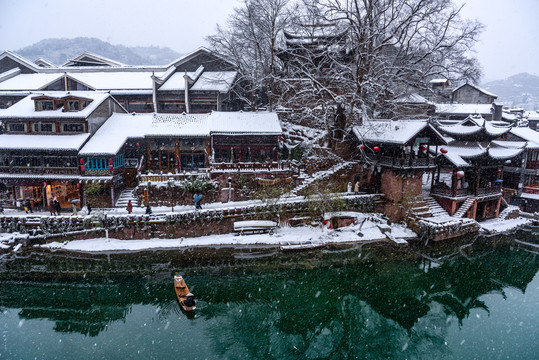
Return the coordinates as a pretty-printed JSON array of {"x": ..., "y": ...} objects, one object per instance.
[{"x": 251, "y": 166}]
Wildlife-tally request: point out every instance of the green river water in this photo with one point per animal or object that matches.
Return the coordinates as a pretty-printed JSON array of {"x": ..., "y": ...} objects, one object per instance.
[{"x": 469, "y": 299}]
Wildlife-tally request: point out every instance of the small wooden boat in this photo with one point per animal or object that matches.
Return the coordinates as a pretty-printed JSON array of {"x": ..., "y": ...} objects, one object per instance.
[
  {"x": 307, "y": 245},
  {"x": 182, "y": 293}
]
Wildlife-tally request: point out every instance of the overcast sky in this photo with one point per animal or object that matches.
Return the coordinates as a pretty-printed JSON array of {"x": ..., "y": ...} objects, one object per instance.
[{"x": 509, "y": 45}]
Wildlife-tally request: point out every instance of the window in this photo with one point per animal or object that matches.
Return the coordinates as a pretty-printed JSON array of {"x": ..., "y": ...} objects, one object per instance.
[
  {"x": 73, "y": 127},
  {"x": 44, "y": 105},
  {"x": 17, "y": 127},
  {"x": 140, "y": 106},
  {"x": 172, "y": 106},
  {"x": 42, "y": 127},
  {"x": 73, "y": 105}
]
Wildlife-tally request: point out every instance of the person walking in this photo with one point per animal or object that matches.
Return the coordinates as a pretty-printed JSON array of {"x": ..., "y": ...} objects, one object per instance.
[
  {"x": 89, "y": 208},
  {"x": 129, "y": 207},
  {"x": 28, "y": 206},
  {"x": 57, "y": 205},
  {"x": 52, "y": 207}
]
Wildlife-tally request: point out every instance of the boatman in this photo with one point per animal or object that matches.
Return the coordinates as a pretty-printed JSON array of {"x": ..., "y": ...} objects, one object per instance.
[{"x": 190, "y": 301}]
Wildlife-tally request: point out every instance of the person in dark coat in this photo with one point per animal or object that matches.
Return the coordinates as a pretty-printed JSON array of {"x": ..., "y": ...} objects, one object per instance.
[
  {"x": 28, "y": 206},
  {"x": 148, "y": 210},
  {"x": 52, "y": 207},
  {"x": 57, "y": 205},
  {"x": 190, "y": 301},
  {"x": 89, "y": 208},
  {"x": 129, "y": 207}
]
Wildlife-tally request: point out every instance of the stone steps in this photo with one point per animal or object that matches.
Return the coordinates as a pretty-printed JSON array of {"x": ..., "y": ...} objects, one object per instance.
[{"x": 125, "y": 196}]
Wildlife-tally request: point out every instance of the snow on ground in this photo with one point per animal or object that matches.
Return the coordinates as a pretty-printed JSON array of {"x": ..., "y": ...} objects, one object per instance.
[
  {"x": 281, "y": 236},
  {"x": 498, "y": 226}
]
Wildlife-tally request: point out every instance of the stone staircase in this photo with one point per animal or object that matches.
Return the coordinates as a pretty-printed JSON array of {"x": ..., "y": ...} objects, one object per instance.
[
  {"x": 126, "y": 195},
  {"x": 434, "y": 207},
  {"x": 464, "y": 208},
  {"x": 320, "y": 175},
  {"x": 433, "y": 222}
]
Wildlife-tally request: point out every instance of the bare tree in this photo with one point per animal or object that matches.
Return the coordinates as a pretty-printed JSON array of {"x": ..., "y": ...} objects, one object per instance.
[
  {"x": 250, "y": 39},
  {"x": 392, "y": 48}
]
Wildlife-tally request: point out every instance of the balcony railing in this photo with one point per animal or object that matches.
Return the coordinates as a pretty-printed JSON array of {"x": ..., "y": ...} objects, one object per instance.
[
  {"x": 403, "y": 163},
  {"x": 445, "y": 191},
  {"x": 251, "y": 166},
  {"x": 41, "y": 170},
  {"x": 183, "y": 176}
]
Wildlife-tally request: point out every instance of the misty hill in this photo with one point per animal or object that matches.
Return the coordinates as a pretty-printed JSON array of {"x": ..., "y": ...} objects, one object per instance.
[
  {"x": 58, "y": 51},
  {"x": 521, "y": 90}
]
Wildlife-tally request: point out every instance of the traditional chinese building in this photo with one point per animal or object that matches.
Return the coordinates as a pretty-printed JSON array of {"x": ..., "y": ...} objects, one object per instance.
[
  {"x": 396, "y": 155},
  {"x": 42, "y": 135},
  {"x": 469, "y": 179},
  {"x": 198, "y": 82}
]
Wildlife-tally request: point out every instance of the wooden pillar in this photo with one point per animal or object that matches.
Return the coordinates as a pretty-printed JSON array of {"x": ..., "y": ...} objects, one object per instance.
[
  {"x": 454, "y": 182},
  {"x": 148, "y": 153},
  {"x": 497, "y": 211},
  {"x": 112, "y": 194},
  {"x": 177, "y": 154},
  {"x": 477, "y": 180}
]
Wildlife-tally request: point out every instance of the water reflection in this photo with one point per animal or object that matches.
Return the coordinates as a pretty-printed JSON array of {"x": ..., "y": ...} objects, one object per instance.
[{"x": 372, "y": 301}]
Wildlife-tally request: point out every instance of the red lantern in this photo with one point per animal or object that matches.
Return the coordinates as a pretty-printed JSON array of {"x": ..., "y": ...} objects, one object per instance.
[
  {"x": 82, "y": 168},
  {"x": 110, "y": 161},
  {"x": 376, "y": 148},
  {"x": 498, "y": 171},
  {"x": 443, "y": 151},
  {"x": 81, "y": 161},
  {"x": 423, "y": 148},
  {"x": 111, "y": 168},
  {"x": 460, "y": 174},
  {"x": 137, "y": 144},
  {"x": 78, "y": 185},
  {"x": 361, "y": 147}
]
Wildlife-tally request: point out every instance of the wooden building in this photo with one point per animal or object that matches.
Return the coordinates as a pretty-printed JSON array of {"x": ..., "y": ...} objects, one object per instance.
[
  {"x": 42, "y": 135},
  {"x": 198, "y": 82},
  {"x": 469, "y": 178}
]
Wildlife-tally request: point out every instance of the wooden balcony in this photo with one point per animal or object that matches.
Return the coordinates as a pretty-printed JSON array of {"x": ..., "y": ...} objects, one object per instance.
[
  {"x": 404, "y": 163},
  {"x": 443, "y": 190},
  {"x": 41, "y": 170},
  {"x": 260, "y": 167}
]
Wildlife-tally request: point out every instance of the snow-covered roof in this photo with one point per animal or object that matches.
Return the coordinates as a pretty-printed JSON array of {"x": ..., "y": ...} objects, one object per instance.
[
  {"x": 389, "y": 131},
  {"x": 9, "y": 74},
  {"x": 439, "y": 81},
  {"x": 176, "y": 82},
  {"x": 215, "y": 81},
  {"x": 531, "y": 115},
  {"x": 42, "y": 142},
  {"x": 119, "y": 80},
  {"x": 25, "y": 108},
  {"x": 17, "y": 58},
  {"x": 464, "y": 109},
  {"x": 486, "y": 92},
  {"x": 97, "y": 58},
  {"x": 43, "y": 63},
  {"x": 34, "y": 81},
  {"x": 474, "y": 124},
  {"x": 112, "y": 135},
  {"x": 205, "y": 81},
  {"x": 458, "y": 153},
  {"x": 413, "y": 99},
  {"x": 527, "y": 134},
  {"x": 262, "y": 123}
]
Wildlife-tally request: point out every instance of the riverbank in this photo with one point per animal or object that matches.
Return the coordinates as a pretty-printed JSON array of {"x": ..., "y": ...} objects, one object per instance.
[{"x": 368, "y": 232}]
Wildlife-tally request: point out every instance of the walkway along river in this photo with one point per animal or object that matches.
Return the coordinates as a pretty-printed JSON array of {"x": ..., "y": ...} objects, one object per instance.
[{"x": 476, "y": 298}]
